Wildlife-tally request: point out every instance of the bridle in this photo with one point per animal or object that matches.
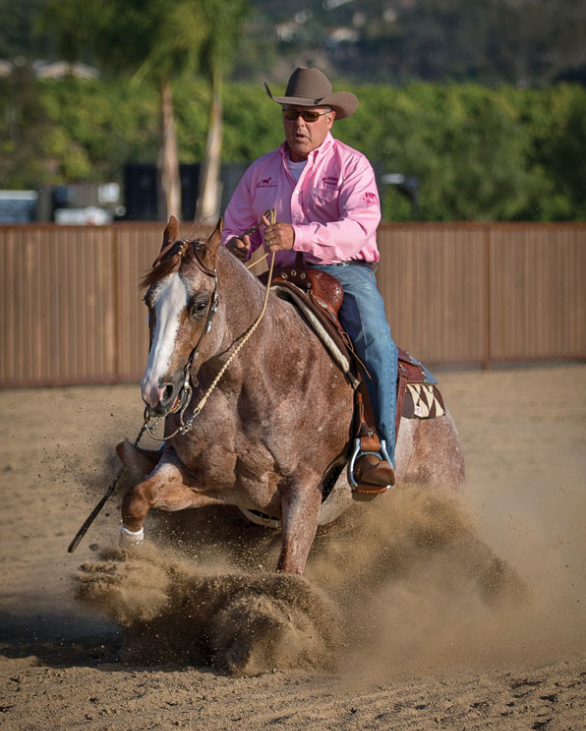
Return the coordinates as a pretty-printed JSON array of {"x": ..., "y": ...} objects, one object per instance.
[
  {"x": 186, "y": 392},
  {"x": 212, "y": 309}
]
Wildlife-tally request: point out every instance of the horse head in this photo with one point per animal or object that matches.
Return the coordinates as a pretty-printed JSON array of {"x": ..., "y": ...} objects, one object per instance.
[{"x": 182, "y": 299}]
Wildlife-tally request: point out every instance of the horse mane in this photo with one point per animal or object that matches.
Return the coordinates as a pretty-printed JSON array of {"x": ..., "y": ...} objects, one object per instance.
[{"x": 168, "y": 262}]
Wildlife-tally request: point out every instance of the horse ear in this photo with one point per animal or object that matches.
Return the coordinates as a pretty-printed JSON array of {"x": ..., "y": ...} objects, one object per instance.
[
  {"x": 171, "y": 232},
  {"x": 212, "y": 245}
]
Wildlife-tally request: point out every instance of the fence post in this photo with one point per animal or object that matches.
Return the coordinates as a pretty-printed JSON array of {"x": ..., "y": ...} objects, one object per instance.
[
  {"x": 116, "y": 302},
  {"x": 488, "y": 302}
]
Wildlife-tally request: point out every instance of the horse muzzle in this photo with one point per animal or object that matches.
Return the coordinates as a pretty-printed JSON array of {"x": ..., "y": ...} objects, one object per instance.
[{"x": 165, "y": 398}]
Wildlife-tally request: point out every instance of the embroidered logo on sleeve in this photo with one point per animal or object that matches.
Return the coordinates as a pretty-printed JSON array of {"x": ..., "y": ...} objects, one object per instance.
[
  {"x": 267, "y": 183},
  {"x": 371, "y": 199}
]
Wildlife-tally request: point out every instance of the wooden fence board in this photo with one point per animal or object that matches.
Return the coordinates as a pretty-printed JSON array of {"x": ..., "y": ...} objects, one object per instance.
[
  {"x": 537, "y": 293},
  {"x": 71, "y": 310},
  {"x": 434, "y": 285}
]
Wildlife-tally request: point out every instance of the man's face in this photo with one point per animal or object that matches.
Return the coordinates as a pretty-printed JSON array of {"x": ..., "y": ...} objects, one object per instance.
[{"x": 304, "y": 136}]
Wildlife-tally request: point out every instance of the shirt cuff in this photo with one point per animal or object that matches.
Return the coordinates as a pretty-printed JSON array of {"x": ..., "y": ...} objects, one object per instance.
[{"x": 302, "y": 238}]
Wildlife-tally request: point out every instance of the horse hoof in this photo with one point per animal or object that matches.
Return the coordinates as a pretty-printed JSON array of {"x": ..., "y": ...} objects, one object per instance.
[{"x": 131, "y": 538}]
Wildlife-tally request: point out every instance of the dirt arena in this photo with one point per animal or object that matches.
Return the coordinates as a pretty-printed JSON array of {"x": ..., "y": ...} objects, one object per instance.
[{"x": 417, "y": 612}]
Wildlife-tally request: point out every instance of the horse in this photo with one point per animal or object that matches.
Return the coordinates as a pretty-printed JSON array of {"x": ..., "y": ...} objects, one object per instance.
[{"x": 274, "y": 412}]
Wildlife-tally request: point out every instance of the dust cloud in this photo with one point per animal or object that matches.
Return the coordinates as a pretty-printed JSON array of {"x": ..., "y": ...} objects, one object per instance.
[
  {"x": 400, "y": 585},
  {"x": 410, "y": 583}
]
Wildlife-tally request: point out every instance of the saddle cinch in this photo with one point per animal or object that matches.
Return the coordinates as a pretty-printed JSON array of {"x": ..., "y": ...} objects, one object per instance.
[{"x": 319, "y": 296}]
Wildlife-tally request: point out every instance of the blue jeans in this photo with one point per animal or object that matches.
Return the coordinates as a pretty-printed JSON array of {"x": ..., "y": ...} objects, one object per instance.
[{"x": 363, "y": 317}]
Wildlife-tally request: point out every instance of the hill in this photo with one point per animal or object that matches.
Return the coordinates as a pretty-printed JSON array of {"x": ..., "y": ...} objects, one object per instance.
[{"x": 521, "y": 42}]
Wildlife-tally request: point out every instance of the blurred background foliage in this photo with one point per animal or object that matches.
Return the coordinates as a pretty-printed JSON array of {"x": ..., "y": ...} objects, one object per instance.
[
  {"x": 480, "y": 154},
  {"x": 484, "y": 103},
  {"x": 520, "y": 42}
]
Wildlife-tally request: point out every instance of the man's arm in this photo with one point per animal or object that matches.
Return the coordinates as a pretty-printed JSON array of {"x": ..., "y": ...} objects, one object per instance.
[
  {"x": 356, "y": 223},
  {"x": 238, "y": 217}
]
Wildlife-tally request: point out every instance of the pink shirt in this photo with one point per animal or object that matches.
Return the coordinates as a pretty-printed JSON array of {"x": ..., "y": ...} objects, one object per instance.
[{"x": 334, "y": 208}]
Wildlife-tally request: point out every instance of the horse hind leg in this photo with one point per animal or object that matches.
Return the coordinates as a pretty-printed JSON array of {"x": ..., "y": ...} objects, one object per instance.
[
  {"x": 429, "y": 454},
  {"x": 168, "y": 488}
]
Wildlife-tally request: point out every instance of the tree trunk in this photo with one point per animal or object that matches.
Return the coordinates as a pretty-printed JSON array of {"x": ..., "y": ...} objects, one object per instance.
[
  {"x": 170, "y": 202},
  {"x": 209, "y": 193}
]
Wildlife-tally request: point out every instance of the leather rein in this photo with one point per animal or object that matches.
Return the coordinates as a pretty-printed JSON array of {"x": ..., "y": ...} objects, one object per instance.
[{"x": 186, "y": 393}]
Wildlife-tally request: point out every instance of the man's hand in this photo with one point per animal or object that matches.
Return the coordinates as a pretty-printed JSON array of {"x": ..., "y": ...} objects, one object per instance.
[
  {"x": 239, "y": 247},
  {"x": 279, "y": 236}
]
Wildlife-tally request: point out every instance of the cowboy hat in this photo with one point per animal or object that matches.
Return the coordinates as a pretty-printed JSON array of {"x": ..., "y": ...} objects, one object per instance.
[{"x": 311, "y": 88}]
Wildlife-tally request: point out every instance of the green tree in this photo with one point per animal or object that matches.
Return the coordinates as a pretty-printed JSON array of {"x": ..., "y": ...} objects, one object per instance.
[
  {"x": 18, "y": 36},
  {"x": 156, "y": 41},
  {"x": 466, "y": 144},
  {"x": 223, "y": 20}
]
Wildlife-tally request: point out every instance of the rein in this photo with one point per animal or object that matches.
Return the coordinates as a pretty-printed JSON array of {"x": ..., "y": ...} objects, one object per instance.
[{"x": 187, "y": 390}]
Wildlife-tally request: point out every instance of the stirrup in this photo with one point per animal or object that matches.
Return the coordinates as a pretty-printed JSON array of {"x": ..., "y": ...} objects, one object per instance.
[{"x": 357, "y": 453}]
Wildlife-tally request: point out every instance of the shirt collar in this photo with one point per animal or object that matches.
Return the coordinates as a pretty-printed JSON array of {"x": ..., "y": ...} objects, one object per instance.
[{"x": 325, "y": 145}]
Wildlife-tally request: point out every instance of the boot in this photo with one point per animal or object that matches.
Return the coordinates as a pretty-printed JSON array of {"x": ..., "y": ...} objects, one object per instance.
[{"x": 373, "y": 474}]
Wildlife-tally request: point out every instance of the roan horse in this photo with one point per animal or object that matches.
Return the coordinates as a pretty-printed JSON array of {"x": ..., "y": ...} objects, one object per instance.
[{"x": 274, "y": 422}]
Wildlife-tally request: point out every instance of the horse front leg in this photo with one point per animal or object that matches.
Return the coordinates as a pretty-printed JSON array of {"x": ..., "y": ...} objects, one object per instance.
[
  {"x": 300, "y": 505},
  {"x": 168, "y": 488}
]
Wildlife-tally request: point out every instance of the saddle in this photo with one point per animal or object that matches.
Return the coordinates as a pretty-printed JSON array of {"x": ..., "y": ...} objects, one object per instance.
[{"x": 319, "y": 296}]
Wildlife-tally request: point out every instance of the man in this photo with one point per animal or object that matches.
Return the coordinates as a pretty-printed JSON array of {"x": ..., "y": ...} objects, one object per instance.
[{"x": 328, "y": 208}]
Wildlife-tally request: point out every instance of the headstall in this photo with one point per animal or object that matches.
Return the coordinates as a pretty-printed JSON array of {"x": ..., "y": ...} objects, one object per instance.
[{"x": 187, "y": 390}]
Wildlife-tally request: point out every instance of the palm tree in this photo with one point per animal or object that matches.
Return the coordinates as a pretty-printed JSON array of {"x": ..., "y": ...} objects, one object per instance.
[
  {"x": 223, "y": 21},
  {"x": 157, "y": 41}
]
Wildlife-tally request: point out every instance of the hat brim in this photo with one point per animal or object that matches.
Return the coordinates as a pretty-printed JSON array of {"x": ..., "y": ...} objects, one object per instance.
[{"x": 344, "y": 103}]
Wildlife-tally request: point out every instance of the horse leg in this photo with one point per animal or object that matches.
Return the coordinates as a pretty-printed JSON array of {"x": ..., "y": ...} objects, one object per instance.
[
  {"x": 139, "y": 461},
  {"x": 429, "y": 454},
  {"x": 300, "y": 505},
  {"x": 168, "y": 488}
]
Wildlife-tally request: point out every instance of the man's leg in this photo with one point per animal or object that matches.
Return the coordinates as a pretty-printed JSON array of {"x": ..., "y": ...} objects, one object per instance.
[{"x": 363, "y": 317}]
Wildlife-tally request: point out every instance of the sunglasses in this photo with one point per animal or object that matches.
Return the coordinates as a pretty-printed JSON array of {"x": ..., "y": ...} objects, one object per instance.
[{"x": 306, "y": 116}]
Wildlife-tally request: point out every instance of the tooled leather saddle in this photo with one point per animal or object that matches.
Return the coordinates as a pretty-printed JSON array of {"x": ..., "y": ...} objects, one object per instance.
[{"x": 319, "y": 295}]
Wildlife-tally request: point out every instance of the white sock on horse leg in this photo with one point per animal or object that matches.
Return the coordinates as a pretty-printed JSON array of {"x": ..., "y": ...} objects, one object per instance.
[{"x": 130, "y": 537}]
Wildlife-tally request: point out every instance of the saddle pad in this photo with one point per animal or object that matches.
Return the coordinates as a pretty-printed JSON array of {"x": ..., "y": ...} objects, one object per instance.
[
  {"x": 423, "y": 401},
  {"x": 326, "y": 334}
]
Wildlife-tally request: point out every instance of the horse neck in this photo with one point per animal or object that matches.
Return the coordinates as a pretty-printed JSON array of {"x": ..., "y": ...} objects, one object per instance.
[{"x": 242, "y": 296}]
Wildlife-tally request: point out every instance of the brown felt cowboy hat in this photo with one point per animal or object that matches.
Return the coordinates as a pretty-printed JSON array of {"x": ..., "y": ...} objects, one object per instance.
[{"x": 311, "y": 88}]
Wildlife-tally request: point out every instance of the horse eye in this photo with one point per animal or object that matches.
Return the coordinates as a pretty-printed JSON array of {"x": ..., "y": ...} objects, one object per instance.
[{"x": 198, "y": 308}]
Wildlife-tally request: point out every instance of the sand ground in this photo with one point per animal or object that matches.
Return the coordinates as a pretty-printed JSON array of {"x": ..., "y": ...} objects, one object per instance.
[{"x": 435, "y": 631}]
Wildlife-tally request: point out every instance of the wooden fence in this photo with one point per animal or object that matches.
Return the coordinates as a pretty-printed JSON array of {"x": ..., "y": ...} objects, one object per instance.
[{"x": 71, "y": 311}]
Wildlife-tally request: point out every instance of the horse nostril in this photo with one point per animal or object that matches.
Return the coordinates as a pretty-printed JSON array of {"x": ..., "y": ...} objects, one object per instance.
[{"x": 168, "y": 393}]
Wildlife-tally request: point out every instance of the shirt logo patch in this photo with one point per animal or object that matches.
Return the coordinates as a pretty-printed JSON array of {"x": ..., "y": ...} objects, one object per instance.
[
  {"x": 267, "y": 183},
  {"x": 370, "y": 199},
  {"x": 330, "y": 180}
]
